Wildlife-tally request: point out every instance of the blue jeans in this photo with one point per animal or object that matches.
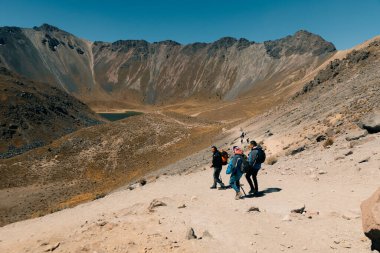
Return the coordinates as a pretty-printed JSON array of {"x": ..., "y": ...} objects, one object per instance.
[{"x": 235, "y": 184}]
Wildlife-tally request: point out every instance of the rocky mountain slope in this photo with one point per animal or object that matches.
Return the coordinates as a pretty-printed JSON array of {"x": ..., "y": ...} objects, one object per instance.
[
  {"x": 130, "y": 72},
  {"x": 32, "y": 114},
  {"x": 93, "y": 161},
  {"x": 323, "y": 164},
  {"x": 97, "y": 159}
]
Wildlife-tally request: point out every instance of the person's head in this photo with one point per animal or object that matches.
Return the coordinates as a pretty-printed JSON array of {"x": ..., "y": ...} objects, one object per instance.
[
  {"x": 237, "y": 150},
  {"x": 252, "y": 144},
  {"x": 213, "y": 149}
]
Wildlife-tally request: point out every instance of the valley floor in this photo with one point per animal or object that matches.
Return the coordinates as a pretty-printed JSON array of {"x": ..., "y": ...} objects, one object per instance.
[{"x": 330, "y": 183}]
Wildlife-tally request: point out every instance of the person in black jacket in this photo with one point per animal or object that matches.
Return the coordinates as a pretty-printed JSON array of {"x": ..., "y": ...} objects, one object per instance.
[
  {"x": 255, "y": 166},
  {"x": 217, "y": 165}
]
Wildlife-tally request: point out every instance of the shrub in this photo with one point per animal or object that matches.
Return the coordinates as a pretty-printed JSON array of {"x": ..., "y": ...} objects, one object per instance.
[
  {"x": 271, "y": 160},
  {"x": 328, "y": 142}
]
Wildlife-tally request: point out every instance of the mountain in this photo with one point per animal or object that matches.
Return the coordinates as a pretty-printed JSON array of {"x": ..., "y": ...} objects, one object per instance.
[
  {"x": 319, "y": 161},
  {"x": 93, "y": 161},
  {"x": 136, "y": 72},
  {"x": 33, "y": 114}
]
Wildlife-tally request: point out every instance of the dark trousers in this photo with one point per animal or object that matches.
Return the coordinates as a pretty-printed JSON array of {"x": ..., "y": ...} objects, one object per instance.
[
  {"x": 252, "y": 173},
  {"x": 217, "y": 176}
]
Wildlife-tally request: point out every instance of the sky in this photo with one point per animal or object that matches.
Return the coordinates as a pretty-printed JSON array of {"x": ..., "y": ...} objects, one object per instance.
[{"x": 346, "y": 23}]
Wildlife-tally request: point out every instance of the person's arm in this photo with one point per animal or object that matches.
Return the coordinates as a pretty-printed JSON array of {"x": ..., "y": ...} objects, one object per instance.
[
  {"x": 252, "y": 158},
  {"x": 230, "y": 166},
  {"x": 213, "y": 161}
]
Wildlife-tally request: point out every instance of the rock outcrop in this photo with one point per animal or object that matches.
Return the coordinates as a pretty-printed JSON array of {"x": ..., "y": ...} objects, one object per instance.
[
  {"x": 33, "y": 114},
  {"x": 371, "y": 219},
  {"x": 371, "y": 122}
]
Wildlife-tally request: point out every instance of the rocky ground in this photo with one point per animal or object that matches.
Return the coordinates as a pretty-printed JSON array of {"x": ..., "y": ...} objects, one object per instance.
[{"x": 157, "y": 217}]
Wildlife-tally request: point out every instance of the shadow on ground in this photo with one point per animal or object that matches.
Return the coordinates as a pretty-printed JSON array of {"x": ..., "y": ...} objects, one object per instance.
[{"x": 263, "y": 193}]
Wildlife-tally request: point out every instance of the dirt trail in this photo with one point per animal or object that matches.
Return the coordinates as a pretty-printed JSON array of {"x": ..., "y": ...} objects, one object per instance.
[{"x": 121, "y": 222}]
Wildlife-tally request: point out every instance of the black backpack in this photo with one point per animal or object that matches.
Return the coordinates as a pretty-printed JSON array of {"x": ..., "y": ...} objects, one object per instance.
[
  {"x": 245, "y": 167},
  {"x": 241, "y": 164},
  {"x": 261, "y": 156}
]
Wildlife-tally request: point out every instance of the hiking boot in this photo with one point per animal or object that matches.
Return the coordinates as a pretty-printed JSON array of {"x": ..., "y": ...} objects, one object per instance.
[
  {"x": 213, "y": 187},
  {"x": 238, "y": 195},
  {"x": 222, "y": 187},
  {"x": 252, "y": 192}
]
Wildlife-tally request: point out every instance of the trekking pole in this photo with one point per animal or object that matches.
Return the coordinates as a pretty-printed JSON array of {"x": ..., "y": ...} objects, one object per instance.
[{"x": 243, "y": 191}]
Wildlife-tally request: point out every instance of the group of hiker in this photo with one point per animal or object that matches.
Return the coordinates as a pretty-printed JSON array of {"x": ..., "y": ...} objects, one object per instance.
[{"x": 238, "y": 165}]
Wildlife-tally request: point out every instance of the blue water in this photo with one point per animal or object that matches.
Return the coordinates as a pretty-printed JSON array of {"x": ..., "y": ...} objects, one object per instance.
[{"x": 119, "y": 116}]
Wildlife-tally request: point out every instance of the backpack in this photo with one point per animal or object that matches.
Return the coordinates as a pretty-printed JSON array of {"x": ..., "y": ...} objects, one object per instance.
[
  {"x": 225, "y": 156},
  {"x": 245, "y": 167},
  {"x": 261, "y": 156},
  {"x": 242, "y": 164}
]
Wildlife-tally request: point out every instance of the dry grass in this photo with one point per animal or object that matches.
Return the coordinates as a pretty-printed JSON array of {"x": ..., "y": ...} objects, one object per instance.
[
  {"x": 77, "y": 200},
  {"x": 94, "y": 161},
  {"x": 271, "y": 160},
  {"x": 328, "y": 142}
]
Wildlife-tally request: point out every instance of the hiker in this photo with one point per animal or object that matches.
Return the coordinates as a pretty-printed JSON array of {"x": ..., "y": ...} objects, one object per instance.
[
  {"x": 255, "y": 158},
  {"x": 247, "y": 140},
  {"x": 217, "y": 164},
  {"x": 234, "y": 168}
]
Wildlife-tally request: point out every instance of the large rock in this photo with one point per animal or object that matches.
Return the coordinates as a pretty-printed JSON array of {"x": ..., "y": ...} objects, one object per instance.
[
  {"x": 190, "y": 234},
  {"x": 356, "y": 135},
  {"x": 155, "y": 203},
  {"x": 371, "y": 219},
  {"x": 371, "y": 122}
]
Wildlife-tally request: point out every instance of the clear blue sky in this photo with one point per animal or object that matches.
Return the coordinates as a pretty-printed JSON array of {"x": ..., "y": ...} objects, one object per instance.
[{"x": 343, "y": 22}]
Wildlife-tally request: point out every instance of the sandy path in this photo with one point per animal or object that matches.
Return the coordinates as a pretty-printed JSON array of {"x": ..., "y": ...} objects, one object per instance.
[{"x": 121, "y": 222}]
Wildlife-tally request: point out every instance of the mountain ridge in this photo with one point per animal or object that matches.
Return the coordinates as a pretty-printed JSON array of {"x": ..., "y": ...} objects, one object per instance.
[{"x": 164, "y": 72}]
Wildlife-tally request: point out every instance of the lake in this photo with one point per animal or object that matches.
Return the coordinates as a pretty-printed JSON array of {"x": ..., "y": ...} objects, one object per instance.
[{"x": 118, "y": 116}]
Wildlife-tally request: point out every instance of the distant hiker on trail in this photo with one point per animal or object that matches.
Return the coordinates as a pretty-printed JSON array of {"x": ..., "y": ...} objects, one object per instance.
[
  {"x": 242, "y": 137},
  {"x": 217, "y": 163},
  {"x": 255, "y": 158},
  {"x": 247, "y": 140},
  {"x": 235, "y": 169}
]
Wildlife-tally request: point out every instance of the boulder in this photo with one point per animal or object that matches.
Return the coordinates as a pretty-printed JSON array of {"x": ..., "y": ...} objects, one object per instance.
[
  {"x": 371, "y": 122},
  {"x": 190, "y": 234},
  {"x": 370, "y": 209},
  {"x": 181, "y": 206},
  {"x": 155, "y": 203},
  {"x": 253, "y": 209},
  {"x": 356, "y": 135},
  {"x": 321, "y": 138},
  {"x": 298, "y": 210},
  {"x": 297, "y": 150},
  {"x": 51, "y": 247}
]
